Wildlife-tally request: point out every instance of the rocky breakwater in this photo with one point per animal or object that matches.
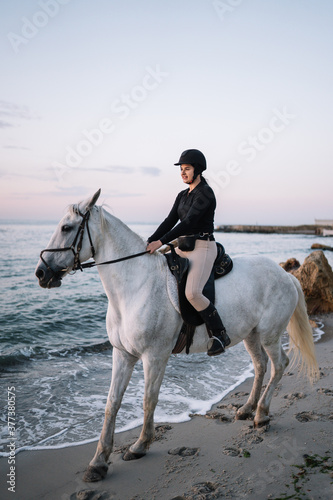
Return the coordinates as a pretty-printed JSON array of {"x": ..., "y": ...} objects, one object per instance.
[
  {"x": 316, "y": 278},
  {"x": 314, "y": 229}
]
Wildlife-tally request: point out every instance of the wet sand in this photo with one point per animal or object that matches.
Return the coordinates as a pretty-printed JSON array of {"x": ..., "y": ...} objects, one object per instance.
[{"x": 209, "y": 457}]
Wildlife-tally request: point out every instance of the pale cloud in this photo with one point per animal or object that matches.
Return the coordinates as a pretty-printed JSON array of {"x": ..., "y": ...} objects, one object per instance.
[
  {"x": 5, "y": 124},
  {"x": 12, "y": 110},
  {"x": 78, "y": 193},
  {"x": 36, "y": 175},
  {"x": 115, "y": 169},
  {"x": 152, "y": 171},
  {"x": 16, "y": 147},
  {"x": 122, "y": 170}
]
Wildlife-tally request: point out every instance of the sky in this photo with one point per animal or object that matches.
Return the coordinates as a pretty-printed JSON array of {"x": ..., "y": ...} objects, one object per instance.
[{"x": 107, "y": 94}]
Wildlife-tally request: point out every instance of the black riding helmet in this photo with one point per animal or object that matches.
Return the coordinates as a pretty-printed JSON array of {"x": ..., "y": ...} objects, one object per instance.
[{"x": 195, "y": 158}]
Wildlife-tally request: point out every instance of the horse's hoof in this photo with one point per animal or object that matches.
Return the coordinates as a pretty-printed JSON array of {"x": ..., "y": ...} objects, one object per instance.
[
  {"x": 261, "y": 423},
  {"x": 94, "y": 474},
  {"x": 130, "y": 455}
]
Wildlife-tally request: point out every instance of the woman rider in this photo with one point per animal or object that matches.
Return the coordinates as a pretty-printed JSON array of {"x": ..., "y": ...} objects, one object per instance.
[{"x": 195, "y": 208}]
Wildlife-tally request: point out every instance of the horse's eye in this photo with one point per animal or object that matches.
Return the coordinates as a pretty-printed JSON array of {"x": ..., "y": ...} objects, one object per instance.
[{"x": 66, "y": 228}]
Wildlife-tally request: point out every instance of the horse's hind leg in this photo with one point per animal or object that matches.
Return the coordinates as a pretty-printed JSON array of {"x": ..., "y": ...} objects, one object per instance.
[
  {"x": 154, "y": 369},
  {"x": 279, "y": 362},
  {"x": 122, "y": 368},
  {"x": 259, "y": 359}
]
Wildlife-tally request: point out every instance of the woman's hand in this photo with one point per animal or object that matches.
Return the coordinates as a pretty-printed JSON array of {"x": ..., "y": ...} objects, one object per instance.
[{"x": 154, "y": 245}]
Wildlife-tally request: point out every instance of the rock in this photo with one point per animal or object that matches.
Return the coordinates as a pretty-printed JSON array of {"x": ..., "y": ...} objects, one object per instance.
[
  {"x": 316, "y": 278},
  {"x": 290, "y": 265},
  {"x": 320, "y": 246}
]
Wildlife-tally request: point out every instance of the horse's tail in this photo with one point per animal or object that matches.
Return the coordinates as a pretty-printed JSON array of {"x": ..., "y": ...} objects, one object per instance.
[{"x": 301, "y": 337}]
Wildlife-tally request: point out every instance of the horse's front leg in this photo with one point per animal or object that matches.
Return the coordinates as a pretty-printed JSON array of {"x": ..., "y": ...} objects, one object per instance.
[
  {"x": 122, "y": 368},
  {"x": 154, "y": 368}
]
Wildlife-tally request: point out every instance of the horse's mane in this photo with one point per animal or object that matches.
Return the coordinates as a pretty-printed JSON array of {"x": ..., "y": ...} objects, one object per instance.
[
  {"x": 104, "y": 215},
  {"x": 104, "y": 220},
  {"x": 74, "y": 209}
]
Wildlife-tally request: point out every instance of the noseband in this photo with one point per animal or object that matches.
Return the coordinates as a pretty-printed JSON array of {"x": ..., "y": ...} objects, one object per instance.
[{"x": 77, "y": 240}]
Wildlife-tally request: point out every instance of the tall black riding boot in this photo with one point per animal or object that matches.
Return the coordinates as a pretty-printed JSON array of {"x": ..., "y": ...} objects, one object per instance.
[{"x": 214, "y": 324}]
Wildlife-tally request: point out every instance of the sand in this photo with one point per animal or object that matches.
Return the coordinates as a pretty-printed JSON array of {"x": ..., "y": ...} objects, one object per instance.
[{"x": 209, "y": 457}]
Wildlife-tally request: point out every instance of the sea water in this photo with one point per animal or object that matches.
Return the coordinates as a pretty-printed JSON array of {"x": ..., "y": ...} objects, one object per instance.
[{"x": 55, "y": 351}]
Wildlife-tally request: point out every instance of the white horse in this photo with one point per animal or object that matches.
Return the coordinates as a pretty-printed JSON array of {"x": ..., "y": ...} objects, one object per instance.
[{"x": 258, "y": 300}]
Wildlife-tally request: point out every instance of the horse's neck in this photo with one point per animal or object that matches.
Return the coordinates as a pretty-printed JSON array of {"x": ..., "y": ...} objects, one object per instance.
[{"x": 116, "y": 240}]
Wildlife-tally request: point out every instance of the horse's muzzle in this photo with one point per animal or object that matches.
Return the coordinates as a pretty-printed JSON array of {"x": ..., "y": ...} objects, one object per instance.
[{"x": 48, "y": 278}]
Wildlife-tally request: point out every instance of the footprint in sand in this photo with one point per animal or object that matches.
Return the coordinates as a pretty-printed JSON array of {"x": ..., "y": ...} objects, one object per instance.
[
  {"x": 239, "y": 394},
  {"x": 328, "y": 392},
  {"x": 90, "y": 495},
  {"x": 183, "y": 451},
  {"x": 160, "y": 430},
  {"x": 232, "y": 452},
  {"x": 219, "y": 416},
  {"x": 295, "y": 395},
  {"x": 201, "y": 490},
  {"x": 308, "y": 416}
]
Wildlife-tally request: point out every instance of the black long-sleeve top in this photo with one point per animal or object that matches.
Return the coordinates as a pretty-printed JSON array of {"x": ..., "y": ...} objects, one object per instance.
[{"x": 195, "y": 209}]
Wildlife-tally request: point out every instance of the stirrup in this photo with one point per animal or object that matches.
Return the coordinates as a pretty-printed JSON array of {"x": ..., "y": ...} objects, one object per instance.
[
  {"x": 219, "y": 340},
  {"x": 218, "y": 351}
]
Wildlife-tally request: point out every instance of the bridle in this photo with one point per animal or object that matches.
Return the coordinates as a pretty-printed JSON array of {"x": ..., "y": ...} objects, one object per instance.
[
  {"x": 76, "y": 251},
  {"x": 77, "y": 240}
]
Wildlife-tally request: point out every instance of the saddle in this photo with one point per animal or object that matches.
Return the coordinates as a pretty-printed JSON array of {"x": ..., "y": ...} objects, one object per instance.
[{"x": 179, "y": 267}]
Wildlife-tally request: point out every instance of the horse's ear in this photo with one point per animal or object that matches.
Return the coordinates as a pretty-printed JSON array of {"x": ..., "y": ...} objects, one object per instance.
[{"x": 93, "y": 199}]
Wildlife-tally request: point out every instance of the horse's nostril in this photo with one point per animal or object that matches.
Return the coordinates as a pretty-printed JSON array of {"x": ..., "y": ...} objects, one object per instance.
[{"x": 40, "y": 273}]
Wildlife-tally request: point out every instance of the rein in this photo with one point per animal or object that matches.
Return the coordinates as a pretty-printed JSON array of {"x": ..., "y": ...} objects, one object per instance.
[
  {"x": 93, "y": 264},
  {"x": 79, "y": 237}
]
